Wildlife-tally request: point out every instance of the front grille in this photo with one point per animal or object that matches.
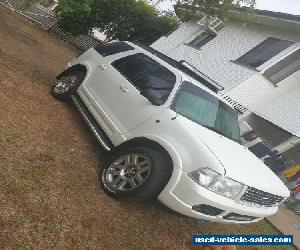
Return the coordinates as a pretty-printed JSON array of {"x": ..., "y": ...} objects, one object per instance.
[
  {"x": 208, "y": 210},
  {"x": 255, "y": 196}
]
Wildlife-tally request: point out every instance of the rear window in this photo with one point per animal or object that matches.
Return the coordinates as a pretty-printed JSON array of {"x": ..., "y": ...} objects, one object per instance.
[{"x": 112, "y": 48}]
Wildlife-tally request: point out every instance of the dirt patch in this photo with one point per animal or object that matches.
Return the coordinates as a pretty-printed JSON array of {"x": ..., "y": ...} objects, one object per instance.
[
  {"x": 16, "y": 33},
  {"x": 50, "y": 195}
]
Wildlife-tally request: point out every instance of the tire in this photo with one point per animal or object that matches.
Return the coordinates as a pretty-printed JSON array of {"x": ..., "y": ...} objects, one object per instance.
[
  {"x": 67, "y": 84},
  {"x": 115, "y": 173}
]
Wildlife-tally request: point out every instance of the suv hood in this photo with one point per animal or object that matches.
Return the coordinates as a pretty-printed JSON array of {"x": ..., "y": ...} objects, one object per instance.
[{"x": 239, "y": 163}]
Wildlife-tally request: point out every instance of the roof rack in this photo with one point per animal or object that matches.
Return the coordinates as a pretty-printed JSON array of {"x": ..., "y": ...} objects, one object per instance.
[
  {"x": 186, "y": 68},
  {"x": 202, "y": 75}
]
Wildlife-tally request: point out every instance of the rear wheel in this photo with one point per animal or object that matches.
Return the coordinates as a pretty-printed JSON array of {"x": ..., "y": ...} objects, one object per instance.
[
  {"x": 67, "y": 84},
  {"x": 139, "y": 173}
]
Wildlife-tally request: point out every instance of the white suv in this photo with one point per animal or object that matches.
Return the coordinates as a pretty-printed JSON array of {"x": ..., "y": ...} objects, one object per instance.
[{"x": 169, "y": 134}]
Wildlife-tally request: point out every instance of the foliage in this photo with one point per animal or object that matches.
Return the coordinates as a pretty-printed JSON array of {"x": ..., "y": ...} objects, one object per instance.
[
  {"x": 190, "y": 9},
  {"x": 74, "y": 15},
  {"x": 155, "y": 2},
  {"x": 123, "y": 19}
]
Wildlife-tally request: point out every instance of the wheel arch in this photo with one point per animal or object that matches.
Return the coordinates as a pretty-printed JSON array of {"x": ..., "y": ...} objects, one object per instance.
[
  {"x": 77, "y": 67},
  {"x": 153, "y": 143}
]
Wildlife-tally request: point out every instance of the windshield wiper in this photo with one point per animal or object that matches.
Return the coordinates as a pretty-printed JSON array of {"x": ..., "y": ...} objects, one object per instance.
[
  {"x": 219, "y": 132},
  {"x": 213, "y": 129}
]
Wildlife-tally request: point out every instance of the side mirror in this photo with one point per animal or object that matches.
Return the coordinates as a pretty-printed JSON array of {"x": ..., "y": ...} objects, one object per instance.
[{"x": 153, "y": 96}]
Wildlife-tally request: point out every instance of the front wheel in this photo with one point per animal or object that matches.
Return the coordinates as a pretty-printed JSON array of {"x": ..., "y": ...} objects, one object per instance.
[
  {"x": 67, "y": 84},
  {"x": 139, "y": 173}
]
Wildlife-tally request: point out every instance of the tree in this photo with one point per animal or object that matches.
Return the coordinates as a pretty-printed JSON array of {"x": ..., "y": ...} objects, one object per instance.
[
  {"x": 155, "y": 2},
  {"x": 74, "y": 15},
  {"x": 133, "y": 20},
  {"x": 192, "y": 9}
]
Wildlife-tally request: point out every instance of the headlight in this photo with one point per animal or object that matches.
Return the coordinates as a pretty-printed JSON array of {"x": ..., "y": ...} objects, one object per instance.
[{"x": 217, "y": 183}]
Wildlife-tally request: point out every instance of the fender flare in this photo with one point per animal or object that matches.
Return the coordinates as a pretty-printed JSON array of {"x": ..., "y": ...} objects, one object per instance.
[{"x": 151, "y": 140}]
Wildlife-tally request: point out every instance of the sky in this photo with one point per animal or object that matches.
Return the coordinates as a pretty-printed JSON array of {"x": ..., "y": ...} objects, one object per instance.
[{"x": 285, "y": 6}]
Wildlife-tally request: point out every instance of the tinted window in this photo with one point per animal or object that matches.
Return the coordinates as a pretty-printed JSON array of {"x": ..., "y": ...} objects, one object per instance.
[
  {"x": 161, "y": 80},
  {"x": 112, "y": 48},
  {"x": 284, "y": 68},
  {"x": 143, "y": 72},
  {"x": 264, "y": 52},
  {"x": 134, "y": 66},
  {"x": 202, "y": 39},
  {"x": 205, "y": 109}
]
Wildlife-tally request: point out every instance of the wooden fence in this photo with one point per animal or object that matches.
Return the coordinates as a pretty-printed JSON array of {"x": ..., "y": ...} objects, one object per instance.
[{"x": 48, "y": 20}]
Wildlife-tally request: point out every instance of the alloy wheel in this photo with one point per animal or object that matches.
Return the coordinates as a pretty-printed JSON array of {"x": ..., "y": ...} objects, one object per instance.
[
  {"x": 128, "y": 172},
  {"x": 64, "y": 84}
]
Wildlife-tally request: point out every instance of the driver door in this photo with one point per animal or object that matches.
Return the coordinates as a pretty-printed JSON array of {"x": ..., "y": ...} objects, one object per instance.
[{"x": 118, "y": 95}]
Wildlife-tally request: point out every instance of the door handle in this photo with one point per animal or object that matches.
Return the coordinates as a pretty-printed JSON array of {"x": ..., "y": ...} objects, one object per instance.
[
  {"x": 102, "y": 66},
  {"x": 124, "y": 88}
]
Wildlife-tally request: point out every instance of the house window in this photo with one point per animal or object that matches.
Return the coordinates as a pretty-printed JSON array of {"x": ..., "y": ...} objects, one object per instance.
[
  {"x": 201, "y": 39},
  {"x": 284, "y": 68},
  {"x": 264, "y": 52}
]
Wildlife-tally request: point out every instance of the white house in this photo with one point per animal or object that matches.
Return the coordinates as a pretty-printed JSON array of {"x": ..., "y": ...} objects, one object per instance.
[{"x": 256, "y": 58}]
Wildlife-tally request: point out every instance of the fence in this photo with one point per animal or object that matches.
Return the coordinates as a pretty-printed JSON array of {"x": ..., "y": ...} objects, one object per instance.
[{"x": 48, "y": 20}]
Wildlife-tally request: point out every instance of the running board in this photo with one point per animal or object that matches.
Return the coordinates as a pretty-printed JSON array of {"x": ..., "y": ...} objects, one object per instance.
[{"x": 92, "y": 123}]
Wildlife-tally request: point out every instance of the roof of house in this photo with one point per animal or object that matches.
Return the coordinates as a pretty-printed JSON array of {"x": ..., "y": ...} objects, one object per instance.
[
  {"x": 273, "y": 19},
  {"x": 273, "y": 14}
]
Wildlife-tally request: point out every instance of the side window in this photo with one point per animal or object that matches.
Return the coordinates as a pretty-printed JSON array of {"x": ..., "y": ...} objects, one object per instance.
[
  {"x": 144, "y": 73},
  {"x": 112, "y": 48},
  {"x": 264, "y": 52},
  {"x": 161, "y": 80},
  {"x": 134, "y": 66},
  {"x": 284, "y": 68},
  {"x": 201, "y": 40}
]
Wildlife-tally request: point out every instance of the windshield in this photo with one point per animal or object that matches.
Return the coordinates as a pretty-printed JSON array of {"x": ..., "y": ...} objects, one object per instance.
[{"x": 205, "y": 109}]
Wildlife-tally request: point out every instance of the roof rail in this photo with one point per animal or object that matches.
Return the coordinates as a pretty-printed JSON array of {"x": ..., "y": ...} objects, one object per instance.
[
  {"x": 202, "y": 75},
  {"x": 188, "y": 69}
]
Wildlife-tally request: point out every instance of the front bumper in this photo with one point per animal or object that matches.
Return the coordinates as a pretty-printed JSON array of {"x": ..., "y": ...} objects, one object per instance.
[{"x": 182, "y": 194}]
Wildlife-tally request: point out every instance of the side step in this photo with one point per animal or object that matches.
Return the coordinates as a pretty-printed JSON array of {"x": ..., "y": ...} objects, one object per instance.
[{"x": 92, "y": 123}]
